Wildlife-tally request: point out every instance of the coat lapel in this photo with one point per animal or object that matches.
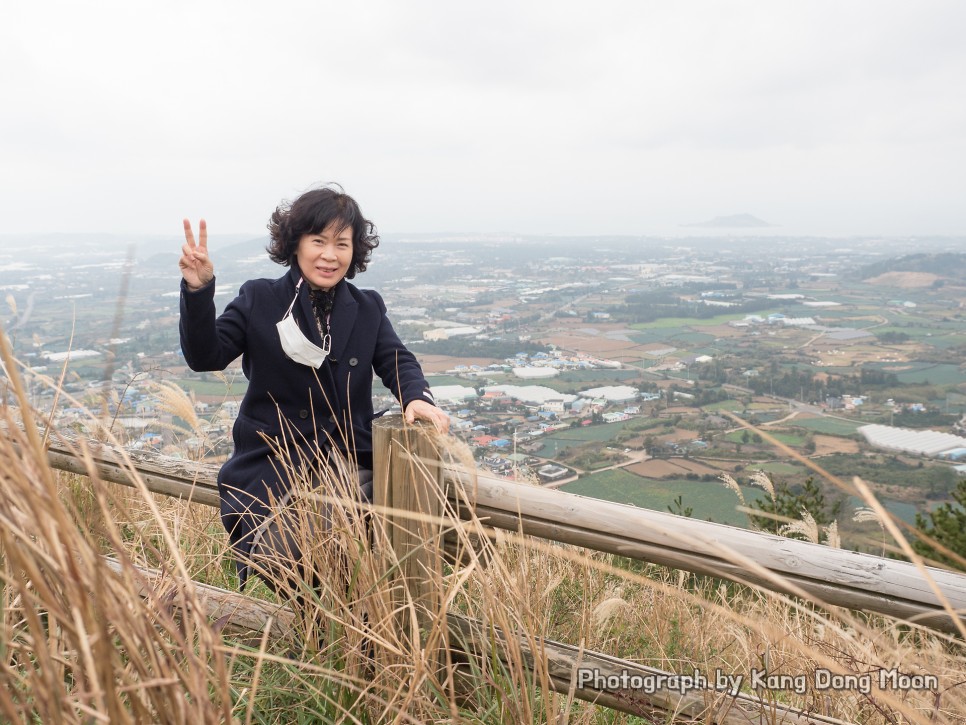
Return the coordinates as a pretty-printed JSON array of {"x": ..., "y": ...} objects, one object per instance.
[{"x": 343, "y": 318}]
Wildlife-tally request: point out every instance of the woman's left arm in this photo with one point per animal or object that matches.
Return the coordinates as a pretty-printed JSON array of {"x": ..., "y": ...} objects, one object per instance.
[{"x": 399, "y": 370}]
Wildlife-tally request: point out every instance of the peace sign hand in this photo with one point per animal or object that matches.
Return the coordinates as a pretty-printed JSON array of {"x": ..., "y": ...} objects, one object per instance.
[{"x": 196, "y": 267}]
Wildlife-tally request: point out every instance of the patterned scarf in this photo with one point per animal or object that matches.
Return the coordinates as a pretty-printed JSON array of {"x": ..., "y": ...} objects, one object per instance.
[{"x": 322, "y": 302}]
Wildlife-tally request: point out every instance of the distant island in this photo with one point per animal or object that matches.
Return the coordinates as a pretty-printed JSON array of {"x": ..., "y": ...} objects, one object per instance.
[{"x": 734, "y": 221}]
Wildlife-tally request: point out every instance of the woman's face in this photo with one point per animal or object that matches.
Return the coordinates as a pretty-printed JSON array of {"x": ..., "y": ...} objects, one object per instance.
[{"x": 324, "y": 258}]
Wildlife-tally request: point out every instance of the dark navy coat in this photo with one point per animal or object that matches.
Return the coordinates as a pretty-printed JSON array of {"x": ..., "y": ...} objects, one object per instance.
[{"x": 295, "y": 405}]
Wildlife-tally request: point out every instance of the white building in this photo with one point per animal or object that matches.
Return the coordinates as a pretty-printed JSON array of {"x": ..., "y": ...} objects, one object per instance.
[
  {"x": 532, "y": 372},
  {"x": 453, "y": 393},
  {"x": 921, "y": 442},
  {"x": 611, "y": 393},
  {"x": 444, "y": 333},
  {"x": 532, "y": 394}
]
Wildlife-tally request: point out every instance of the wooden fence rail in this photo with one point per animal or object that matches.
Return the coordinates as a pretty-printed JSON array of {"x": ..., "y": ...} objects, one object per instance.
[{"x": 833, "y": 577}]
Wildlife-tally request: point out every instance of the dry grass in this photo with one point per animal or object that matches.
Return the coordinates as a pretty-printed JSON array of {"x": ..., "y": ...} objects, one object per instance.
[
  {"x": 79, "y": 642},
  {"x": 82, "y": 643}
]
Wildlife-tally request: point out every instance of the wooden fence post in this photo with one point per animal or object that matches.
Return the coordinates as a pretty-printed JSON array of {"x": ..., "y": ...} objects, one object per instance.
[{"x": 408, "y": 484}]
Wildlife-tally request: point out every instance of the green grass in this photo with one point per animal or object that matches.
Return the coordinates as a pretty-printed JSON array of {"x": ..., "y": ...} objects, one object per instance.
[
  {"x": 214, "y": 387},
  {"x": 644, "y": 423},
  {"x": 831, "y": 313},
  {"x": 768, "y": 406},
  {"x": 591, "y": 379},
  {"x": 646, "y": 337},
  {"x": 603, "y": 432},
  {"x": 828, "y": 426},
  {"x": 564, "y": 439},
  {"x": 944, "y": 342},
  {"x": 925, "y": 331},
  {"x": 934, "y": 374},
  {"x": 710, "y": 500},
  {"x": 687, "y": 339},
  {"x": 732, "y": 405}
]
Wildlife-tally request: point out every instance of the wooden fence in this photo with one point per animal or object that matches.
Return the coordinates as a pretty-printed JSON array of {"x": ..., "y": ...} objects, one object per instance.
[{"x": 829, "y": 577}]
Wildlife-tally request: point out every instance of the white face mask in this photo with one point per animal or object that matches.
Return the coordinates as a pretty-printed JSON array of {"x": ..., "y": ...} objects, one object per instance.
[{"x": 297, "y": 346}]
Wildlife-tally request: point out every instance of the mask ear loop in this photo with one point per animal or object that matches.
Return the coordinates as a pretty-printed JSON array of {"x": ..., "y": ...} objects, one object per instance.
[
  {"x": 288, "y": 312},
  {"x": 326, "y": 339}
]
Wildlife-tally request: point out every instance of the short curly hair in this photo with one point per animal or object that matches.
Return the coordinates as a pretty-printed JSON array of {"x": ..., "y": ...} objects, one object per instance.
[{"x": 313, "y": 212}]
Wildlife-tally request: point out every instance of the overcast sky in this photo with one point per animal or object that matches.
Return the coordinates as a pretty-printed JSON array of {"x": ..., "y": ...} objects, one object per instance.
[{"x": 555, "y": 117}]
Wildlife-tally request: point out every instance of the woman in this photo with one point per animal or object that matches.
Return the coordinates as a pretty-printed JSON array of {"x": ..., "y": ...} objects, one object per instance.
[{"x": 309, "y": 342}]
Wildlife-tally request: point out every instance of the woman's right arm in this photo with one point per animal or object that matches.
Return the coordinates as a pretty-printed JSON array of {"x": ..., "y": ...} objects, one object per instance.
[{"x": 207, "y": 343}]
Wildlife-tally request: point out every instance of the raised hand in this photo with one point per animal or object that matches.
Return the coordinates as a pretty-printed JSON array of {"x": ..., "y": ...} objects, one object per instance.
[{"x": 196, "y": 267}]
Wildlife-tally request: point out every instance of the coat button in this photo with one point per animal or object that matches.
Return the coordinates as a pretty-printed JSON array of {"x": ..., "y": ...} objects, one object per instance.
[
  {"x": 303, "y": 414},
  {"x": 353, "y": 361},
  {"x": 332, "y": 419}
]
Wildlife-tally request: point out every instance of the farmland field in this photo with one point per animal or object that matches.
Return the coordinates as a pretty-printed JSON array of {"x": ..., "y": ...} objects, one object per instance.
[
  {"x": 768, "y": 405},
  {"x": 591, "y": 344},
  {"x": 826, "y": 444},
  {"x": 571, "y": 437},
  {"x": 646, "y": 337},
  {"x": 830, "y": 313},
  {"x": 433, "y": 363},
  {"x": 576, "y": 381},
  {"x": 709, "y": 500},
  {"x": 661, "y": 467},
  {"x": 913, "y": 332},
  {"x": 603, "y": 432},
  {"x": 947, "y": 340},
  {"x": 214, "y": 387},
  {"x": 830, "y": 426},
  {"x": 733, "y": 405},
  {"x": 689, "y": 339},
  {"x": 934, "y": 374}
]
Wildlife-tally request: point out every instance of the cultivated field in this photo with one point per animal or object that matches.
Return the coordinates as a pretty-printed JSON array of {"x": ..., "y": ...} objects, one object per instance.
[
  {"x": 442, "y": 363},
  {"x": 661, "y": 467},
  {"x": 903, "y": 280},
  {"x": 708, "y": 499},
  {"x": 827, "y": 425},
  {"x": 825, "y": 445}
]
